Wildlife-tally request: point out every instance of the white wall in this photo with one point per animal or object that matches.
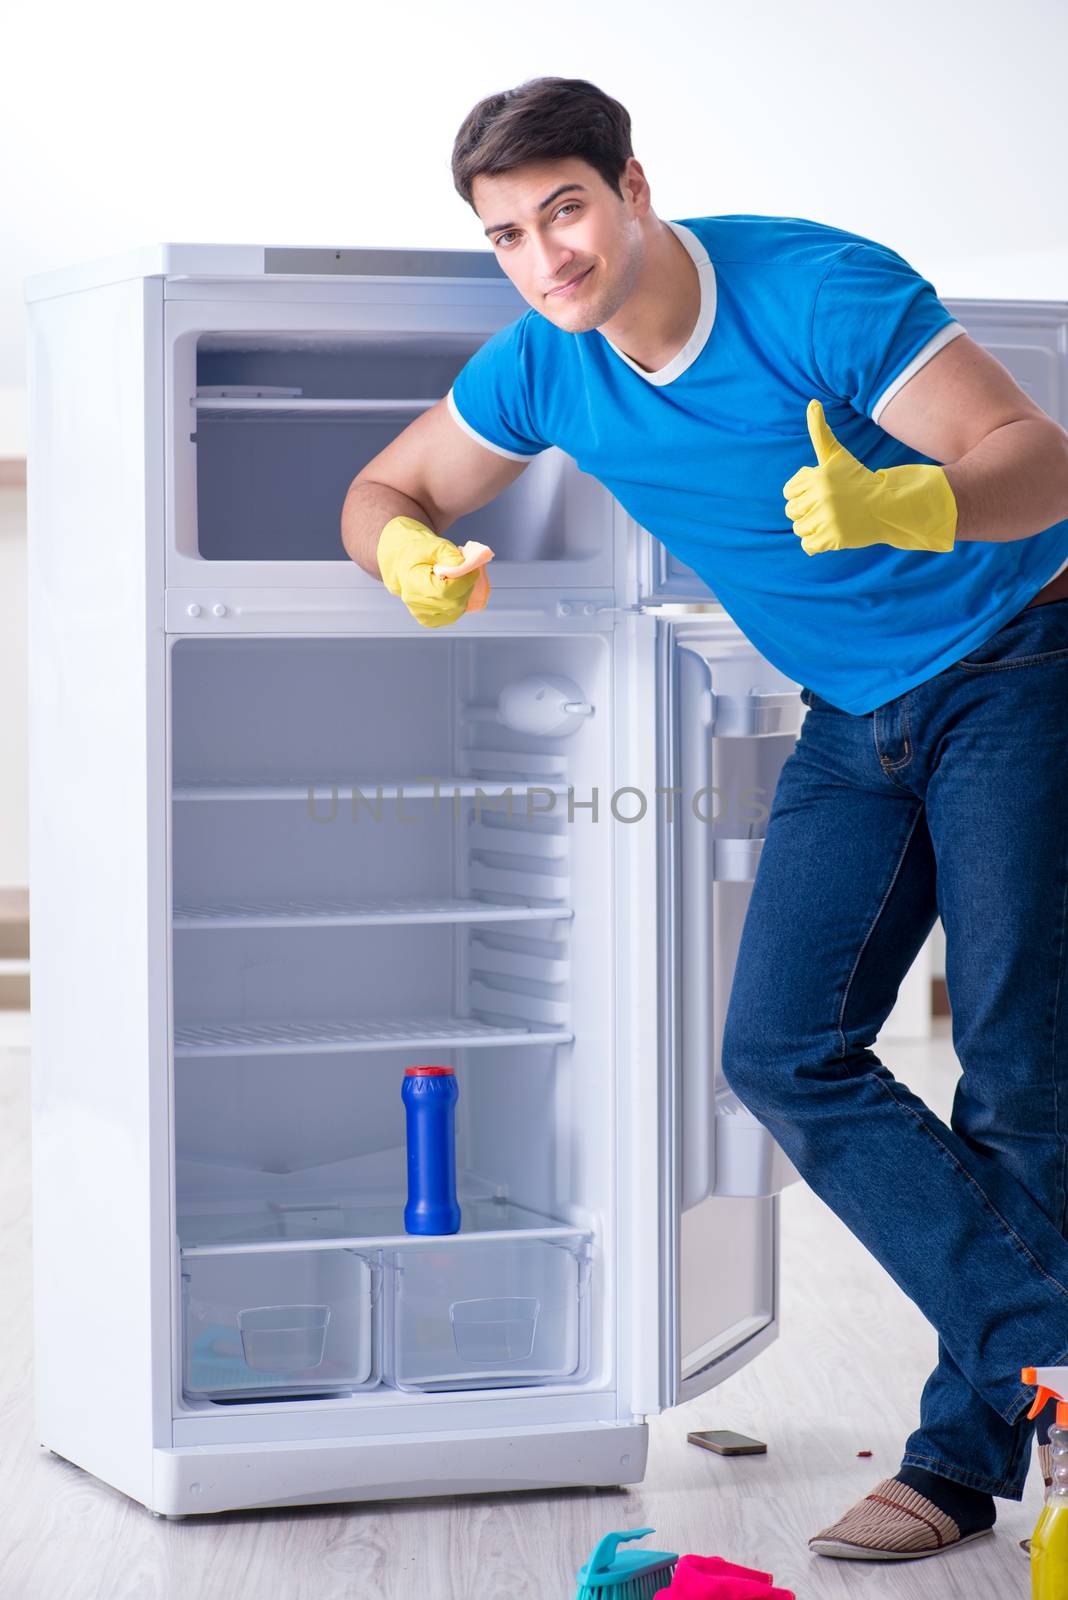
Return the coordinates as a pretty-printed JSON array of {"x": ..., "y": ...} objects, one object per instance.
[{"x": 937, "y": 128}]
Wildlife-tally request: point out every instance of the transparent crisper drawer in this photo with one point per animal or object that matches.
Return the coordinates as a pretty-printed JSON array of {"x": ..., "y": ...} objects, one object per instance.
[
  {"x": 477, "y": 1315},
  {"x": 262, "y": 1323}
]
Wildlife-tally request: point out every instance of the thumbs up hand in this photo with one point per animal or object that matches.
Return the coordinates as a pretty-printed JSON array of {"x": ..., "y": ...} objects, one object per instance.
[{"x": 839, "y": 505}]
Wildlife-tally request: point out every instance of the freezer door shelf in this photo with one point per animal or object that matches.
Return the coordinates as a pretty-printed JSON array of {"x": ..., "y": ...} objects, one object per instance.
[{"x": 458, "y": 1312}]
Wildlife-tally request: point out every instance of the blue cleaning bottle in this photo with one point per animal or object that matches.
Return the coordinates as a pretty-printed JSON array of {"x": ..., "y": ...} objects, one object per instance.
[{"x": 430, "y": 1095}]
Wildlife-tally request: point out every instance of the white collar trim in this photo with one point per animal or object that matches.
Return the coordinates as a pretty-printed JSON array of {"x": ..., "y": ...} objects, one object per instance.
[{"x": 706, "y": 274}]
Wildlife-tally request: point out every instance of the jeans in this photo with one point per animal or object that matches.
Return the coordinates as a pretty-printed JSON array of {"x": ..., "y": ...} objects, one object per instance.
[{"x": 952, "y": 801}]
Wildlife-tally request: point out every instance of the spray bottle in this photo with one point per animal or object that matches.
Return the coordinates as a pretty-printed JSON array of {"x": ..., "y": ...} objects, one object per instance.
[{"x": 1049, "y": 1542}]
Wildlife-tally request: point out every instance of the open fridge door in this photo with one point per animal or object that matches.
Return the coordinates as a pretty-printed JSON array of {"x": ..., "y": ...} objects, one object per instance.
[{"x": 728, "y": 721}]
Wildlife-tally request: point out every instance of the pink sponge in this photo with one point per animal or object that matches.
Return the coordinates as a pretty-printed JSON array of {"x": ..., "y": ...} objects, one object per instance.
[{"x": 712, "y": 1578}]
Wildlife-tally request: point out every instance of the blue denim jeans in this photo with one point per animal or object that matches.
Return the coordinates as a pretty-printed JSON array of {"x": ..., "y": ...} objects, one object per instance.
[{"x": 950, "y": 801}]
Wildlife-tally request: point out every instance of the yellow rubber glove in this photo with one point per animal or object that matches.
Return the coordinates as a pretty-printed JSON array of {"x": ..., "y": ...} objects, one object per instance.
[
  {"x": 839, "y": 505},
  {"x": 407, "y": 551}
]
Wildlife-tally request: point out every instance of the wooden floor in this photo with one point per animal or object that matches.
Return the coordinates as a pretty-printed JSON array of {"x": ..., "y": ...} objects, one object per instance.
[{"x": 844, "y": 1376}]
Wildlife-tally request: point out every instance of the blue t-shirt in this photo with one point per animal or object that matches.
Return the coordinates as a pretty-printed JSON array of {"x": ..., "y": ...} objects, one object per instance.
[{"x": 698, "y": 451}]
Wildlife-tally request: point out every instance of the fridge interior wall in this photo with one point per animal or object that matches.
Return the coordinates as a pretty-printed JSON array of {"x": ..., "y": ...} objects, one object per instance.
[
  {"x": 383, "y": 930},
  {"x": 272, "y": 428}
]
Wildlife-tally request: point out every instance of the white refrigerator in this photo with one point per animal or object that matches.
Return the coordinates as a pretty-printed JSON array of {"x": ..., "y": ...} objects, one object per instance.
[{"x": 285, "y": 843}]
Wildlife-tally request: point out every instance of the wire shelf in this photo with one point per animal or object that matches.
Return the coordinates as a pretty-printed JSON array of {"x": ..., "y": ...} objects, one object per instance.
[
  {"x": 296, "y": 913},
  {"x": 318, "y": 1036}
]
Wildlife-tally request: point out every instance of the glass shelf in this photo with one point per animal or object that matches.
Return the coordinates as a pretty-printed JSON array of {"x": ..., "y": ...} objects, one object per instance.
[{"x": 304, "y": 1226}]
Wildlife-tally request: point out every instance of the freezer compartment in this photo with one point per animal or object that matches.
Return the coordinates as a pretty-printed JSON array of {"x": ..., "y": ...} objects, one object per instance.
[
  {"x": 293, "y": 1324},
  {"x": 271, "y": 428},
  {"x": 487, "y": 1315}
]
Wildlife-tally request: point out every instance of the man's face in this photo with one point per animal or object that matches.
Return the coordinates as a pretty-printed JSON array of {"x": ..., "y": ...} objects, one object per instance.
[{"x": 551, "y": 222}]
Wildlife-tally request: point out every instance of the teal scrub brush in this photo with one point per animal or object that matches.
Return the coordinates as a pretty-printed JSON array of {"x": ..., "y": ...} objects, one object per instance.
[{"x": 634, "y": 1575}]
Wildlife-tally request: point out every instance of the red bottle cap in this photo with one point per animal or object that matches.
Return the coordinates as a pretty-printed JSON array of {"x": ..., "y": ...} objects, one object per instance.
[{"x": 428, "y": 1072}]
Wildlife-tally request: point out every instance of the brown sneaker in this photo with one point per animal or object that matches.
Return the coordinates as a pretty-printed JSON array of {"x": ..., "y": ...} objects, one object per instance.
[
  {"x": 893, "y": 1523},
  {"x": 1045, "y": 1466}
]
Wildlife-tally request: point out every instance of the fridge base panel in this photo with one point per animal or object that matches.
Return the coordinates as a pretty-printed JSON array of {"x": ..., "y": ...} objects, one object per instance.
[
  {"x": 374, "y": 1415},
  {"x": 212, "y": 1478}
]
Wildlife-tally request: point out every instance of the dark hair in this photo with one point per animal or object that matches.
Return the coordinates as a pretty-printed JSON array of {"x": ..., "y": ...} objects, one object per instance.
[{"x": 544, "y": 119}]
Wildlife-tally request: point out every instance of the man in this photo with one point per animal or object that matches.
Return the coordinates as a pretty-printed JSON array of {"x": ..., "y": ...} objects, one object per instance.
[{"x": 912, "y": 580}]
